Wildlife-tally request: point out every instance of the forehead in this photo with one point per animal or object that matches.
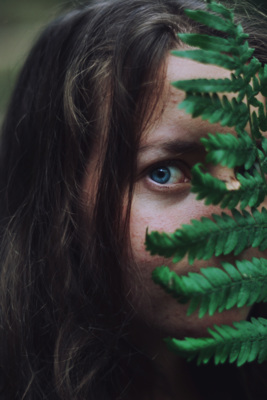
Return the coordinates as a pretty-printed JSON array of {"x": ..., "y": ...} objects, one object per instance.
[
  {"x": 169, "y": 121},
  {"x": 182, "y": 69}
]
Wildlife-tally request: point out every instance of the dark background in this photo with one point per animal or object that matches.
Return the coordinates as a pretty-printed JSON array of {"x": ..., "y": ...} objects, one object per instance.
[{"x": 20, "y": 22}]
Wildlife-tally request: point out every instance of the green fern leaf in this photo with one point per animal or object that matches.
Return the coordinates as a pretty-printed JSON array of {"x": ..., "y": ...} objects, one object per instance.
[
  {"x": 219, "y": 45},
  {"x": 213, "y": 21},
  {"x": 252, "y": 100},
  {"x": 207, "y": 187},
  {"x": 263, "y": 80},
  {"x": 251, "y": 69},
  {"x": 217, "y": 289},
  {"x": 206, "y": 237},
  {"x": 251, "y": 191},
  {"x": 213, "y": 109},
  {"x": 245, "y": 53},
  {"x": 255, "y": 128},
  {"x": 207, "y": 42},
  {"x": 230, "y": 151},
  {"x": 240, "y": 35},
  {"x": 264, "y": 144},
  {"x": 220, "y": 9},
  {"x": 163, "y": 244},
  {"x": 245, "y": 342},
  {"x": 262, "y": 118},
  {"x": 210, "y": 85},
  {"x": 262, "y": 155},
  {"x": 256, "y": 84}
]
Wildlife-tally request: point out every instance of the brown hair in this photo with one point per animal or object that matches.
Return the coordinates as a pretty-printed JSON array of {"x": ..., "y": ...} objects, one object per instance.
[{"x": 91, "y": 78}]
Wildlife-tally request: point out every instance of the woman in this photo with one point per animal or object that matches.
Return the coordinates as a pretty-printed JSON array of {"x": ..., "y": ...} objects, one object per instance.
[{"x": 87, "y": 164}]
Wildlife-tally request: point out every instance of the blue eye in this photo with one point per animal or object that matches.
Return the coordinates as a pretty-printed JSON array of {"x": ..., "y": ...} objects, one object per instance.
[
  {"x": 160, "y": 175},
  {"x": 164, "y": 175}
]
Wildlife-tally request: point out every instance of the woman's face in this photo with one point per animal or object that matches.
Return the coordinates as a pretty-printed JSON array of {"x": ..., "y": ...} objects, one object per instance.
[{"x": 162, "y": 201}]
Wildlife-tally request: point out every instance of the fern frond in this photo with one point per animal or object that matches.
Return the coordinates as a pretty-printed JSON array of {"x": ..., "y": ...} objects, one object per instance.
[
  {"x": 255, "y": 128},
  {"x": 220, "y": 9},
  {"x": 249, "y": 70},
  {"x": 229, "y": 150},
  {"x": 218, "y": 45},
  {"x": 217, "y": 289},
  {"x": 263, "y": 155},
  {"x": 245, "y": 342},
  {"x": 212, "y": 108},
  {"x": 262, "y": 119},
  {"x": 213, "y": 21},
  {"x": 213, "y": 43},
  {"x": 206, "y": 237},
  {"x": 207, "y": 187},
  {"x": 251, "y": 191},
  {"x": 211, "y": 85}
]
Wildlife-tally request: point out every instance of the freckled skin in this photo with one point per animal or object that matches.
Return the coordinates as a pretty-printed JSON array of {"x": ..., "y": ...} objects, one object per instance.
[{"x": 166, "y": 209}]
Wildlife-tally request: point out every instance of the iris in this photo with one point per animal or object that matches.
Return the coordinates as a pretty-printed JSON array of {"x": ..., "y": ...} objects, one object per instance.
[{"x": 161, "y": 175}]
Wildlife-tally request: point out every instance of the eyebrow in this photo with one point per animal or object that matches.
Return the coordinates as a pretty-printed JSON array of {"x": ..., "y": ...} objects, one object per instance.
[{"x": 176, "y": 146}]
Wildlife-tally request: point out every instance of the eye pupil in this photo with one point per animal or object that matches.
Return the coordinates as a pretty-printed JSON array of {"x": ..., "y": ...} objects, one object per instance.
[{"x": 160, "y": 175}]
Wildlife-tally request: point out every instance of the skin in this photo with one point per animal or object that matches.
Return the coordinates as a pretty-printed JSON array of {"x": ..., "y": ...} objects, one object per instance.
[{"x": 171, "y": 141}]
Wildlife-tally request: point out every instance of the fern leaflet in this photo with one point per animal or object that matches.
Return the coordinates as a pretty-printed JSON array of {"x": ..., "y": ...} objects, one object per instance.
[
  {"x": 245, "y": 342},
  {"x": 212, "y": 108},
  {"x": 220, "y": 236},
  {"x": 230, "y": 151},
  {"x": 217, "y": 289},
  {"x": 248, "y": 190}
]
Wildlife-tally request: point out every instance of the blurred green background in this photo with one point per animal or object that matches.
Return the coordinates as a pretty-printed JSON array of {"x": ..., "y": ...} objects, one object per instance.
[{"x": 20, "y": 22}]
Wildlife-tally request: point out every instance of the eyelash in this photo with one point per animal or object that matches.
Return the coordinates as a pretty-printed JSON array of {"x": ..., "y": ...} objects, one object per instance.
[{"x": 167, "y": 166}]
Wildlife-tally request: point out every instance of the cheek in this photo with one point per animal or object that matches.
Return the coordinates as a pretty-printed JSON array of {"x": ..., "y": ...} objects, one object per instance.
[
  {"x": 161, "y": 216},
  {"x": 152, "y": 306}
]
